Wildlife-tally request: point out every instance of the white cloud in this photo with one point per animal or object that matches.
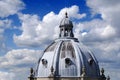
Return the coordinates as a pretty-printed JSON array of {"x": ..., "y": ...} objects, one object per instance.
[
  {"x": 109, "y": 10},
  {"x": 108, "y": 31},
  {"x": 94, "y": 30},
  {"x": 8, "y": 7},
  {"x": 105, "y": 36},
  {"x": 101, "y": 35},
  {"x": 21, "y": 57},
  {"x": 73, "y": 12},
  {"x": 37, "y": 32},
  {"x": 6, "y": 75},
  {"x": 17, "y": 63},
  {"x": 108, "y": 27}
]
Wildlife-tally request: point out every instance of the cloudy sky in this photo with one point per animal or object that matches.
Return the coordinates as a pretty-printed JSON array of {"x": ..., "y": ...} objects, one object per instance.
[{"x": 28, "y": 26}]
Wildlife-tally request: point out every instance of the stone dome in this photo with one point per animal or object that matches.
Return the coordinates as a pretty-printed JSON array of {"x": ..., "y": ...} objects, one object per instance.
[{"x": 67, "y": 58}]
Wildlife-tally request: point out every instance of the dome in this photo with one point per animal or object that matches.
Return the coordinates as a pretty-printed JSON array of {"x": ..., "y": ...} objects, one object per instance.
[
  {"x": 66, "y": 58},
  {"x": 66, "y": 27}
]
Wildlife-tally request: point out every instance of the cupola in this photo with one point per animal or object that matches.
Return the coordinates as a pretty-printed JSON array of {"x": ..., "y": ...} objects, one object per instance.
[{"x": 66, "y": 27}]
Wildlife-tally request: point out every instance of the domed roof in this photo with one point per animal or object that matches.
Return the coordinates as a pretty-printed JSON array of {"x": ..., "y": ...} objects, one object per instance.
[
  {"x": 66, "y": 58},
  {"x": 66, "y": 22}
]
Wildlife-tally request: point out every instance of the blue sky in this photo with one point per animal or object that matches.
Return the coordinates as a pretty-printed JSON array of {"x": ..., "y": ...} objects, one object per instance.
[{"x": 28, "y": 26}]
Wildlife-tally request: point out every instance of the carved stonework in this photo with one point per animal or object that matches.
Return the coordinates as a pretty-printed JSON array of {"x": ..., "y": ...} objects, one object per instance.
[{"x": 52, "y": 72}]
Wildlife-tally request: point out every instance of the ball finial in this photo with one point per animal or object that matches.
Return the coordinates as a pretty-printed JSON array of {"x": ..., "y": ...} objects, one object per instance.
[{"x": 66, "y": 15}]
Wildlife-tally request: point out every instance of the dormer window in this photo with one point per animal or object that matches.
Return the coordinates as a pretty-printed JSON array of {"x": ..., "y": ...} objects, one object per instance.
[
  {"x": 68, "y": 61},
  {"x": 44, "y": 62}
]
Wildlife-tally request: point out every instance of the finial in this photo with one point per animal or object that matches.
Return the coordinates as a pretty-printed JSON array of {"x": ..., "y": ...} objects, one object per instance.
[
  {"x": 66, "y": 15},
  {"x": 31, "y": 74},
  {"x": 108, "y": 78},
  {"x": 31, "y": 70},
  {"x": 102, "y": 70},
  {"x": 102, "y": 75}
]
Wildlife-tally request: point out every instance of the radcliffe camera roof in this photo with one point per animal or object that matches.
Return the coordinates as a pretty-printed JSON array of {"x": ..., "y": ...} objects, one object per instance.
[{"x": 67, "y": 57}]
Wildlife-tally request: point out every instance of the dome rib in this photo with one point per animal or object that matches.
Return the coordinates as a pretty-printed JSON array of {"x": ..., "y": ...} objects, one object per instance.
[{"x": 56, "y": 60}]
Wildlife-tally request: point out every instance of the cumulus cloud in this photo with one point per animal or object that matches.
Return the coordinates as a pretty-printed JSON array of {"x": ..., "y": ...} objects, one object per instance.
[
  {"x": 17, "y": 62},
  {"x": 103, "y": 36},
  {"x": 95, "y": 30},
  {"x": 37, "y": 32},
  {"x": 73, "y": 12},
  {"x": 21, "y": 57},
  {"x": 106, "y": 29},
  {"x": 8, "y": 7},
  {"x": 6, "y": 75},
  {"x": 109, "y": 10}
]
